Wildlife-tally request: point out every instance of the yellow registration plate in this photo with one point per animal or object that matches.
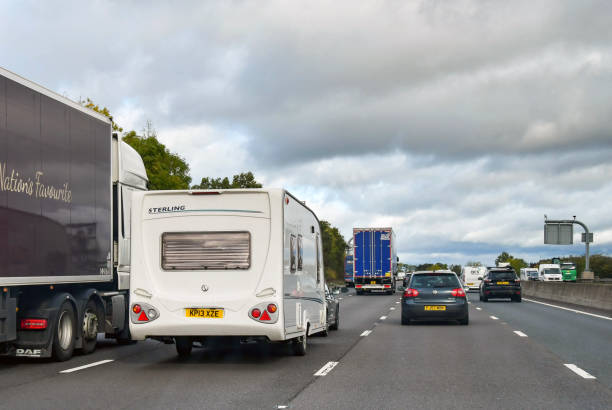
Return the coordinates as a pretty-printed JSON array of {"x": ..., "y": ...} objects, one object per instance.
[
  {"x": 503, "y": 283},
  {"x": 205, "y": 313},
  {"x": 435, "y": 307},
  {"x": 373, "y": 282}
]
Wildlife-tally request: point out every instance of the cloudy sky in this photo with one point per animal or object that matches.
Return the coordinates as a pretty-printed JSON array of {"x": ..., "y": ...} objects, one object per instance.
[{"x": 458, "y": 123}]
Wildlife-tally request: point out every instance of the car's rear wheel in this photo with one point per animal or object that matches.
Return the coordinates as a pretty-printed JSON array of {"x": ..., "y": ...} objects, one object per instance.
[
  {"x": 517, "y": 299},
  {"x": 405, "y": 321},
  {"x": 480, "y": 297},
  {"x": 465, "y": 321},
  {"x": 485, "y": 299},
  {"x": 360, "y": 292}
]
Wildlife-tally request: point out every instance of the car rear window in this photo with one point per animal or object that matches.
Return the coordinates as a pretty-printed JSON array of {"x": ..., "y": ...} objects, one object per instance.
[
  {"x": 435, "y": 281},
  {"x": 502, "y": 275}
]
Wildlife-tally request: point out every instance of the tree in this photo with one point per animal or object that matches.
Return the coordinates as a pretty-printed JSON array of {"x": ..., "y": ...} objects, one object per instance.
[
  {"x": 516, "y": 263},
  {"x": 88, "y": 103},
  {"x": 503, "y": 257},
  {"x": 334, "y": 246},
  {"x": 165, "y": 169},
  {"x": 242, "y": 180},
  {"x": 456, "y": 269},
  {"x": 473, "y": 263}
]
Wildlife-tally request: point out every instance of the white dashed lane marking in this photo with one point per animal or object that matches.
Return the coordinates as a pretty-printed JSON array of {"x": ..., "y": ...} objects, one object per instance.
[
  {"x": 478, "y": 308},
  {"x": 383, "y": 317},
  {"x": 579, "y": 371},
  {"x": 521, "y": 334},
  {"x": 365, "y": 333},
  {"x": 74, "y": 369},
  {"x": 494, "y": 317},
  {"x": 323, "y": 371},
  {"x": 392, "y": 308}
]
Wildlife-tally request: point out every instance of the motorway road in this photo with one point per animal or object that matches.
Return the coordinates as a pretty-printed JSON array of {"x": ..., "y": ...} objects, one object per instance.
[{"x": 429, "y": 366}]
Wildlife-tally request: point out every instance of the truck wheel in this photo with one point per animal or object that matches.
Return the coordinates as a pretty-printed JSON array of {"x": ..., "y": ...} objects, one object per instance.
[
  {"x": 89, "y": 327},
  {"x": 300, "y": 344},
  {"x": 184, "y": 344},
  {"x": 64, "y": 333}
]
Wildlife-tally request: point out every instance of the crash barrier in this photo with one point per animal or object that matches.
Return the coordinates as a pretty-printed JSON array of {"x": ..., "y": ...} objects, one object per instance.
[{"x": 594, "y": 295}]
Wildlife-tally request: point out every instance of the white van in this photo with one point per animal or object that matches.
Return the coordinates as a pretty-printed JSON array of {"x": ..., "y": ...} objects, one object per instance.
[
  {"x": 529, "y": 274},
  {"x": 550, "y": 272},
  {"x": 470, "y": 275},
  {"x": 244, "y": 262}
]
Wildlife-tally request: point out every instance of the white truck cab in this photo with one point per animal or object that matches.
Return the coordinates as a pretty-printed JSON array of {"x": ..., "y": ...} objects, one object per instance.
[{"x": 549, "y": 272}]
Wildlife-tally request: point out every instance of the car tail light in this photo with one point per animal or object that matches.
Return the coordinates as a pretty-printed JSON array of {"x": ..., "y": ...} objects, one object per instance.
[
  {"x": 487, "y": 281},
  {"x": 255, "y": 313},
  {"x": 357, "y": 286},
  {"x": 33, "y": 324},
  {"x": 518, "y": 292},
  {"x": 272, "y": 308},
  {"x": 411, "y": 293},
  {"x": 458, "y": 293},
  {"x": 387, "y": 286}
]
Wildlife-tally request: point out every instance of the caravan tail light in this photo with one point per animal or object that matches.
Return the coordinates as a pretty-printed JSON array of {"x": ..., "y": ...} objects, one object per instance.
[
  {"x": 33, "y": 324},
  {"x": 272, "y": 308},
  {"x": 255, "y": 313},
  {"x": 136, "y": 309}
]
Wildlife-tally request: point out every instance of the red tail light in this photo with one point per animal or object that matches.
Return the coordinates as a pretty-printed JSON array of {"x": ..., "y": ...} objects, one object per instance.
[
  {"x": 357, "y": 286},
  {"x": 143, "y": 317},
  {"x": 458, "y": 293},
  {"x": 255, "y": 313},
  {"x": 265, "y": 315},
  {"x": 387, "y": 286},
  {"x": 33, "y": 324},
  {"x": 272, "y": 308},
  {"x": 487, "y": 281},
  {"x": 136, "y": 309},
  {"x": 411, "y": 293}
]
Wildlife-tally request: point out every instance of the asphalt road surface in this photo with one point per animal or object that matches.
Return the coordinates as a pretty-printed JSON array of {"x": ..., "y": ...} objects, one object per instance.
[{"x": 372, "y": 362}]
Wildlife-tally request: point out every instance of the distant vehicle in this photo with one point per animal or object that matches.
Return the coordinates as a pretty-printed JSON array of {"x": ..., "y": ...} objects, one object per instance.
[
  {"x": 400, "y": 276},
  {"x": 500, "y": 283},
  {"x": 568, "y": 271},
  {"x": 407, "y": 279},
  {"x": 244, "y": 263},
  {"x": 333, "y": 310},
  {"x": 435, "y": 295},
  {"x": 550, "y": 272},
  {"x": 348, "y": 271},
  {"x": 470, "y": 275},
  {"x": 503, "y": 264},
  {"x": 529, "y": 274},
  {"x": 375, "y": 260}
]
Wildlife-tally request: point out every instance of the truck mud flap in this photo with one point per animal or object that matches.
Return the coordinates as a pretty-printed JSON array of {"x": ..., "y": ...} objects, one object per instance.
[{"x": 8, "y": 317}]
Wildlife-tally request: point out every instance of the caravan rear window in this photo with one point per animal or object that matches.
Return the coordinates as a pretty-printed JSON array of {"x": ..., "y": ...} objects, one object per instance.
[{"x": 206, "y": 250}]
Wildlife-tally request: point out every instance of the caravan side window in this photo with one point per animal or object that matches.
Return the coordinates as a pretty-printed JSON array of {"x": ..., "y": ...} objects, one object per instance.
[
  {"x": 293, "y": 255},
  {"x": 318, "y": 260},
  {"x": 300, "y": 253}
]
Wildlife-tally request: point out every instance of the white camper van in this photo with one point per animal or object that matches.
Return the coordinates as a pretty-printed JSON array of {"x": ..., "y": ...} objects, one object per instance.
[
  {"x": 550, "y": 272},
  {"x": 243, "y": 262},
  {"x": 470, "y": 275},
  {"x": 529, "y": 274}
]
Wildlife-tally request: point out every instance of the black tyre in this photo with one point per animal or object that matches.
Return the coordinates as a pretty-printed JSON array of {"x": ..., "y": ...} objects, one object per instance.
[
  {"x": 89, "y": 327},
  {"x": 359, "y": 292},
  {"x": 64, "y": 333},
  {"x": 405, "y": 321},
  {"x": 485, "y": 299},
  {"x": 480, "y": 297},
  {"x": 465, "y": 321},
  {"x": 336, "y": 323},
  {"x": 300, "y": 344},
  {"x": 184, "y": 344},
  {"x": 325, "y": 333},
  {"x": 124, "y": 341},
  {"x": 518, "y": 299}
]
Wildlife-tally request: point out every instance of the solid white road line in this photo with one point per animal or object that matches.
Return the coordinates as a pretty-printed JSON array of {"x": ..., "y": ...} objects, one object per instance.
[
  {"x": 478, "y": 308},
  {"x": 571, "y": 310},
  {"x": 365, "y": 333},
  {"x": 579, "y": 371},
  {"x": 521, "y": 334},
  {"x": 383, "y": 317},
  {"x": 323, "y": 371},
  {"x": 494, "y": 317},
  {"x": 74, "y": 369}
]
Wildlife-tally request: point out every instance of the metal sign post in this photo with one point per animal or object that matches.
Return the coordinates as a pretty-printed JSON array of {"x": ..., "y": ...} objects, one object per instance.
[{"x": 561, "y": 232}]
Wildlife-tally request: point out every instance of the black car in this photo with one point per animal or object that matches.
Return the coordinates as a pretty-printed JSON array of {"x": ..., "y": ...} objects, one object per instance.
[
  {"x": 500, "y": 283},
  {"x": 434, "y": 295},
  {"x": 333, "y": 310}
]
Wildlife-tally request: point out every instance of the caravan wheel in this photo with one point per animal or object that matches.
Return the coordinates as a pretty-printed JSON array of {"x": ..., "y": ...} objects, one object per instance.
[
  {"x": 300, "y": 344},
  {"x": 184, "y": 344}
]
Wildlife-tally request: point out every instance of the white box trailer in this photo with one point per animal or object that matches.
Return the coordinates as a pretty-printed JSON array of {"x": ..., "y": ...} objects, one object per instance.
[{"x": 243, "y": 263}]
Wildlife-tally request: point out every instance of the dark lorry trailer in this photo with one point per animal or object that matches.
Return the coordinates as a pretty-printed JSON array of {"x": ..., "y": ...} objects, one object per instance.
[
  {"x": 374, "y": 260},
  {"x": 65, "y": 189}
]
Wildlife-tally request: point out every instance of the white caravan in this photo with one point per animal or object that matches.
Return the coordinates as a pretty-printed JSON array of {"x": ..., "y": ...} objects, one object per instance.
[
  {"x": 243, "y": 262},
  {"x": 550, "y": 272},
  {"x": 470, "y": 276},
  {"x": 529, "y": 274}
]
